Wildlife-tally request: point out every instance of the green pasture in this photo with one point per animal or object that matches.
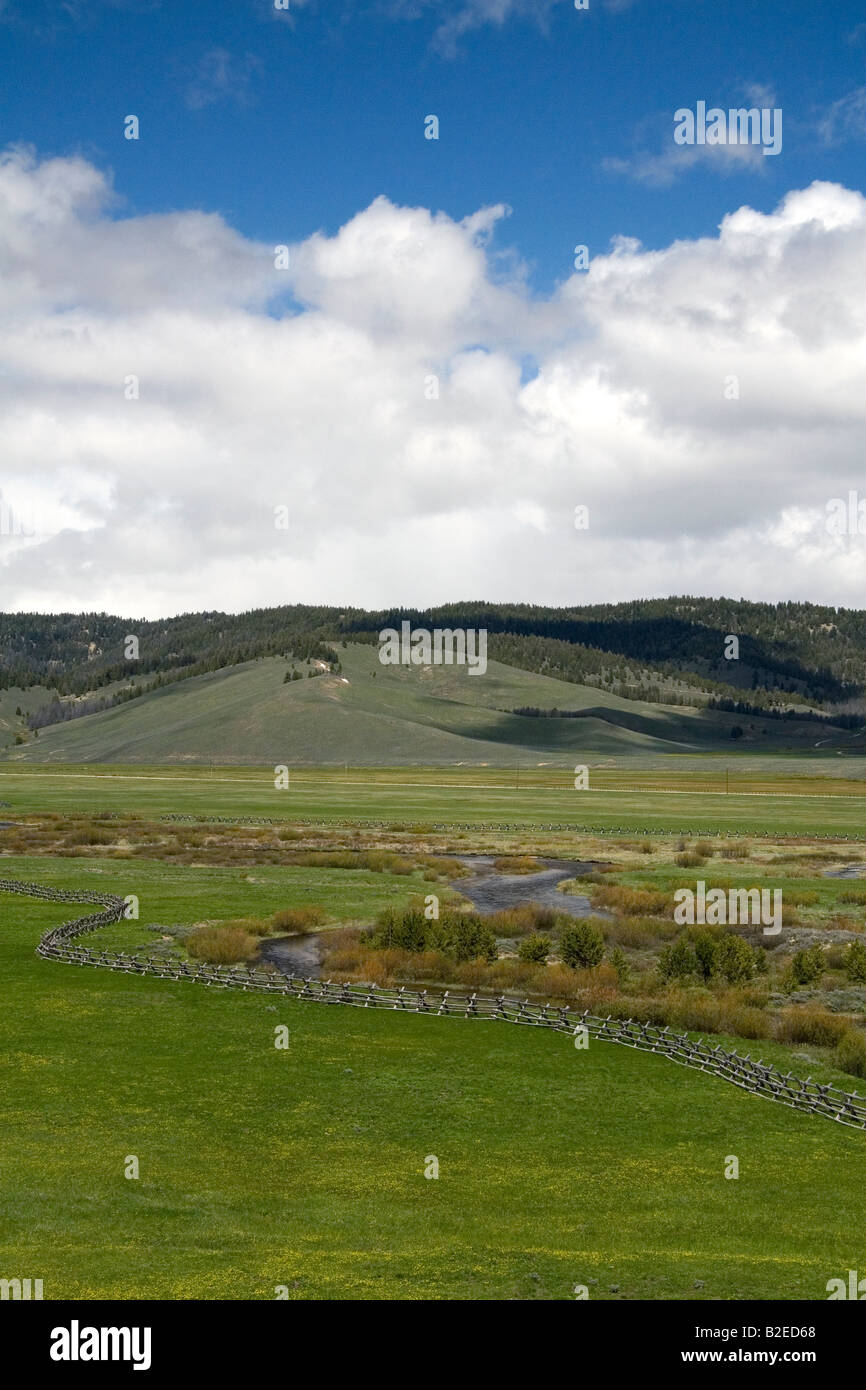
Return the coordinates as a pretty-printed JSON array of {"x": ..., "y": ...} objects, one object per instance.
[
  {"x": 618, "y": 801},
  {"x": 304, "y": 1168}
]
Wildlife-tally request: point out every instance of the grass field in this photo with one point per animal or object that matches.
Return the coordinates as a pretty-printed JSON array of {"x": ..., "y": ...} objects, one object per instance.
[
  {"x": 305, "y": 1167},
  {"x": 683, "y": 801}
]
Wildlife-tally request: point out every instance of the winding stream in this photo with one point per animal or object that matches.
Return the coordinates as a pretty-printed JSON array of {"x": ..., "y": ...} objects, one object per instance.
[
  {"x": 491, "y": 890},
  {"x": 488, "y": 889}
]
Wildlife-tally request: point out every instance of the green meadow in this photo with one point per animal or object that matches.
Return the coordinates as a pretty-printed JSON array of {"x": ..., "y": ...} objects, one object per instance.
[
  {"x": 303, "y": 1168},
  {"x": 690, "y": 801}
]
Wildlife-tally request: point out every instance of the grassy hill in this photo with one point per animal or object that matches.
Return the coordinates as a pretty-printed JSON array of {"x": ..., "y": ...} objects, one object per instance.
[
  {"x": 27, "y": 700},
  {"x": 370, "y": 714},
  {"x": 790, "y": 654}
]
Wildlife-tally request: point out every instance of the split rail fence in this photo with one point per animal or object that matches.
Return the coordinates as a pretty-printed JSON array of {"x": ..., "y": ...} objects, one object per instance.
[
  {"x": 847, "y": 1108},
  {"x": 722, "y": 832}
]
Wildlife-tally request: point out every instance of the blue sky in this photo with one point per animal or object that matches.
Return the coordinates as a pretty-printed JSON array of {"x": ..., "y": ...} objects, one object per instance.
[
  {"x": 290, "y": 123},
  {"x": 430, "y": 387}
]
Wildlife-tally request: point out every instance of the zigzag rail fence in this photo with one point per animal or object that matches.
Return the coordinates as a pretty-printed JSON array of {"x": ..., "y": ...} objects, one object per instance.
[
  {"x": 722, "y": 833},
  {"x": 847, "y": 1108}
]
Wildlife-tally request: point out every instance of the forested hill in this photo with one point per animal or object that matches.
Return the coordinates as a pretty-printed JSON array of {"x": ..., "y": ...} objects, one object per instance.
[{"x": 666, "y": 649}]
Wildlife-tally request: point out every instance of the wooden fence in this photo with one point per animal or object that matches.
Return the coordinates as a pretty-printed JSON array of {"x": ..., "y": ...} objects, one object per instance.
[
  {"x": 521, "y": 827},
  {"x": 847, "y": 1108}
]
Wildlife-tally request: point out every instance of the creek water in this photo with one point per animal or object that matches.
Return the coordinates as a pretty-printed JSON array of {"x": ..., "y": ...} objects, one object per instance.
[
  {"x": 488, "y": 889},
  {"x": 294, "y": 955}
]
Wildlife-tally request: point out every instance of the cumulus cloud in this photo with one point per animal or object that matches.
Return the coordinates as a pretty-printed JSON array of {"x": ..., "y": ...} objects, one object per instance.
[{"x": 163, "y": 388}]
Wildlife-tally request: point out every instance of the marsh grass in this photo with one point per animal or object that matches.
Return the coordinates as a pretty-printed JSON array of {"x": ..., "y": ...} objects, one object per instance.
[
  {"x": 225, "y": 945},
  {"x": 517, "y": 864},
  {"x": 297, "y": 919}
]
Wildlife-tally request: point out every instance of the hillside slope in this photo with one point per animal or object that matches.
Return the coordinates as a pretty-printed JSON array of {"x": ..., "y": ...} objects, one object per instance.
[{"x": 370, "y": 714}]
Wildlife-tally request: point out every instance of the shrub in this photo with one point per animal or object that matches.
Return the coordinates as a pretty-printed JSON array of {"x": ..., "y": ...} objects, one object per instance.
[
  {"x": 535, "y": 948},
  {"x": 640, "y": 931},
  {"x": 298, "y": 918},
  {"x": 745, "y": 1021},
  {"x": 463, "y": 936},
  {"x": 705, "y": 848},
  {"x": 802, "y": 897},
  {"x": 854, "y": 962},
  {"x": 520, "y": 921},
  {"x": 809, "y": 1025},
  {"x": 647, "y": 848},
  {"x": 808, "y": 966},
  {"x": 221, "y": 945},
  {"x": 620, "y": 965},
  {"x": 254, "y": 926},
  {"x": 706, "y": 948},
  {"x": 649, "y": 1010},
  {"x": 581, "y": 945},
  {"x": 557, "y": 982},
  {"x": 596, "y": 987},
  {"x": 380, "y": 861},
  {"x": 690, "y": 859},
  {"x": 677, "y": 962},
  {"x": 406, "y": 929},
  {"x": 735, "y": 851},
  {"x": 700, "y": 1012},
  {"x": 850, "y": 1055},
  {"x": 438, "y": 866},
  {"x": 89, "y": 837},
  {"x": 632, "y": 901},
  {"x": 459, "y": 936},
  {"x": 735, "y": 959},
  {"x": 517, "y": 864}
]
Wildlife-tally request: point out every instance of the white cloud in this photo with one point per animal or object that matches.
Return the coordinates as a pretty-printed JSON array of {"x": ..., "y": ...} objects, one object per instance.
[
  {"x": 221, "y": 76},
  {"x": 845, "y": 118},
  {"x": 460, "y": 19},
  {"x": 663, "y": 169},
  {"x": 659, "y": 161},
  {"x": 46, "y": 18},
  {"x": 166, "y": 503}
]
